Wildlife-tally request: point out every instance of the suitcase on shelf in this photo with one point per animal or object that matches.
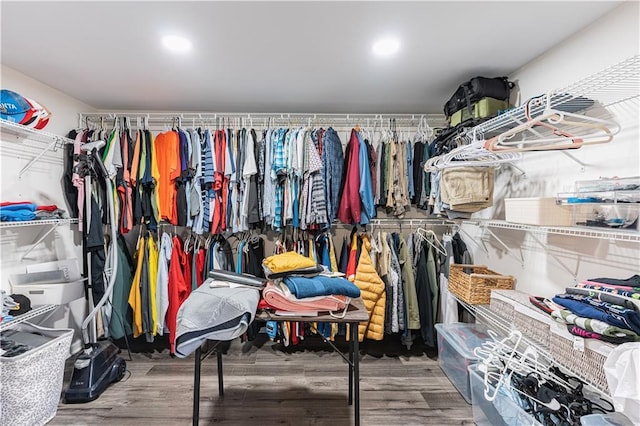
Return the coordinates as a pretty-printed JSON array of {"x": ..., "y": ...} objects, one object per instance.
[
  {"x": 476, "y": 89},
  {"x": 484, "y": 109}
]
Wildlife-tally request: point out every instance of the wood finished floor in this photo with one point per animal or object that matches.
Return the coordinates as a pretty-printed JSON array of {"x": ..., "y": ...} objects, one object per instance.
[{"x": 268, "y": 386}]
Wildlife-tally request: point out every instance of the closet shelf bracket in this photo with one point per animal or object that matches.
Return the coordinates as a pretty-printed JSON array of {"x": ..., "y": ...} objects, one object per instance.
[
  {"x": 41, "y": 239},
  {"x": 506, "y": 247},
  {"x": 53, "y": 146},
  {"x": 583, "y": 166}
]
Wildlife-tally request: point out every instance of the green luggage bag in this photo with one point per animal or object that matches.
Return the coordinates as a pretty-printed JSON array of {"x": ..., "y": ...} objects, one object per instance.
[{"x": 484, "y": 109}]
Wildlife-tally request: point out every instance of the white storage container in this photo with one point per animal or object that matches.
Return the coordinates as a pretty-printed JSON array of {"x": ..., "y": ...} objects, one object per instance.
[
  {"x": 31, "y": 382},
  {"x": 537, "y": 211},
  {"x": 502, "y": 411},
  {"x": 54, "y": 283},
  {"x": 456, "y": 343}
]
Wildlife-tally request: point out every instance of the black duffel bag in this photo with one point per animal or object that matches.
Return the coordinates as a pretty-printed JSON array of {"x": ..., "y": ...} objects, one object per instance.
[{"x": 475, "y": 89}]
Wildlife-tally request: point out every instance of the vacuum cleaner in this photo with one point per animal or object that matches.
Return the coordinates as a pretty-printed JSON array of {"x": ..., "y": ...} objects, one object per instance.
[{"x": 98, "y": 365}]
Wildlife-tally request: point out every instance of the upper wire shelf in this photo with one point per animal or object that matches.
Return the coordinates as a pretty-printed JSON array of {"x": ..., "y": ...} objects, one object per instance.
[
  {"x": 159, "y": 119},
  {"x": 33, "y": 134},
  {"x": 610, "y": 86},
  {"x": 37, "y": 222},
  {"x": 619, "y": 235}
]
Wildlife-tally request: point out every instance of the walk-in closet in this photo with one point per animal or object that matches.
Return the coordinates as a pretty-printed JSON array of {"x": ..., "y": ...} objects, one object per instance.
[{"x": 320, "y": 213}]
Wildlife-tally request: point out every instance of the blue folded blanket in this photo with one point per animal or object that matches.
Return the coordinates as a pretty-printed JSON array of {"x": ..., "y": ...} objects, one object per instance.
[
  {"x": 321, "y": 286},
  {"x": 17, "y": 212}
]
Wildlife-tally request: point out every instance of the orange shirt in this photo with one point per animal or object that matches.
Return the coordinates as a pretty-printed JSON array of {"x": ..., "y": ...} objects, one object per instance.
[{"x": 168, "y": 161}]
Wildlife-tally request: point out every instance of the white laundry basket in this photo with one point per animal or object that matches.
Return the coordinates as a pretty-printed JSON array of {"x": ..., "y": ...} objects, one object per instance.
[{"x": 31, "y": 383}]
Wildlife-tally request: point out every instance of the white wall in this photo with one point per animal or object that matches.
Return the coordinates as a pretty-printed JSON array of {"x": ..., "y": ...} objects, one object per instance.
[
  {"x": 553, "y": 262},
  {"x": 41, "y": 184}
]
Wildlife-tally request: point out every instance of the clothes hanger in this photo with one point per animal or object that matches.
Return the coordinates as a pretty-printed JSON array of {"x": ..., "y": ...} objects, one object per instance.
[
  {"x": 425, "y": 234},
  {"x": 599, "y": 131}
]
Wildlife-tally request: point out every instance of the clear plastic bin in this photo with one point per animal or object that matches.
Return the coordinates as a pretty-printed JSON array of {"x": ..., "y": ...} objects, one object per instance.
[
  {"x": 456, "y": 343},
  {"x": 503, "y": 411}
]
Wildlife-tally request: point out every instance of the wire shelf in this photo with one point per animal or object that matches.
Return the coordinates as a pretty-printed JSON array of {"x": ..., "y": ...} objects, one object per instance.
[
  {"x": 499, "y": 325},
  {"x": 621, "y": 235},
  {"x": 33, "y": 313},
  {"x": 37, "y": 222},
  {"x": 610, "y": 86},
  {"x": 38, "y": 135},
  {"x": 157, "y": 120}
]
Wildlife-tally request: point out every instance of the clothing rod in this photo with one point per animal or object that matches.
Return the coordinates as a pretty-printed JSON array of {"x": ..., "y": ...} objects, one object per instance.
[
  {"x": 187, "y": 118},
  {"x": 412, "y": 221},
  {"x": 249, "y": 115}
]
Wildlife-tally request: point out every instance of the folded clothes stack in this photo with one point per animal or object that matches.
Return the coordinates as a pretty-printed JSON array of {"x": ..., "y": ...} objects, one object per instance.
[
  {"x": 298, "y": 284},
  {"x": 607, "y": 309},
  {"x": 20, "y": 211}
]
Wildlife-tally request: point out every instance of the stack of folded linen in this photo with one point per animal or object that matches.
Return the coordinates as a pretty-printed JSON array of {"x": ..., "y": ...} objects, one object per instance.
[{"x": 298, "y": 285}]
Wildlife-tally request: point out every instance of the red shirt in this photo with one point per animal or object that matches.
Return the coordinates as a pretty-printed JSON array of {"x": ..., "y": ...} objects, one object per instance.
[{"x": 179, "y": 289}]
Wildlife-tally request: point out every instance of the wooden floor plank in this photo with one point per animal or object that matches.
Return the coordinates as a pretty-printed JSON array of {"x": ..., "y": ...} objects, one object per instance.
[{"x": 270, "y": 386}]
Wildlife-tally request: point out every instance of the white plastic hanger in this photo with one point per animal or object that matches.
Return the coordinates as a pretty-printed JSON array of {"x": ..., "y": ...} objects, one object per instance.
[
  {"x": 434, "y": 242},
  {"x": 588, "y": 131}
]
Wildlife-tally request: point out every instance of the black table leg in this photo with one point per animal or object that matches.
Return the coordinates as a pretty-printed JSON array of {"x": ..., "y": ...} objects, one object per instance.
[
  {"x": 196, "y": 388},
  {"x": 220, "y": 382},
  {"x": 351, "y": 368},
  {"x": 356, "y": 373}
]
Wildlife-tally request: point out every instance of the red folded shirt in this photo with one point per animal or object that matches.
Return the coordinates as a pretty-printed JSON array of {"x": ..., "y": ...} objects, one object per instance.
[
  {"x": 13, "y": 203},
  {"x": 50, "y": 208}
]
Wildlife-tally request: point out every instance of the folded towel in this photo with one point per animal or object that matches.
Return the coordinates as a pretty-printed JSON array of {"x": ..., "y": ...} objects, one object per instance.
[
  {"x": 302, "y": 287},
  {"x": 279, "y": 297}
]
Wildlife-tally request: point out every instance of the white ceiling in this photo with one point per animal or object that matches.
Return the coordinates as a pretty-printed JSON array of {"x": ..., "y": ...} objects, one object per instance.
[{"x": 279, "y": 56}]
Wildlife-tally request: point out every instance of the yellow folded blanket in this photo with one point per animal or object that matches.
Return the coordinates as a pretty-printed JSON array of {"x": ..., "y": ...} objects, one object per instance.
[{"x": 289, "y": 261}]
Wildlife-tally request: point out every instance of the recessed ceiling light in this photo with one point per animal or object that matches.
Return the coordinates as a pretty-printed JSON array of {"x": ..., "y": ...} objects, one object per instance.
[
  {"x": 176, "y": 44},
  {"x": 386, "y": 46}
]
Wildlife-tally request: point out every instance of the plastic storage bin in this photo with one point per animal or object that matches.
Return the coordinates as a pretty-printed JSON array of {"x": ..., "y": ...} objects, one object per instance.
[
  {"x": 456, "y": 343},
  {"x": 31, "y": 382},
  {"x": 502, "y": 411},
  {"x": 537, "y": 211}
]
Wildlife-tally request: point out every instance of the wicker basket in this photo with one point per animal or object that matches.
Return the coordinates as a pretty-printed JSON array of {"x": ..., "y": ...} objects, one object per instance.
[
  {"x": 589, "y": 362},
  {"x": 533, "y": 324},
  {"x": 503, "y": 309},
  {"x": 475, "y": 288}
]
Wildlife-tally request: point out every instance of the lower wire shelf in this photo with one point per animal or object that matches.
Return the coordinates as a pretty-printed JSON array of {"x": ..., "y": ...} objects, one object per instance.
[
  {"x": 499, "y": 325},
  {"x": 34, "y": 313}
]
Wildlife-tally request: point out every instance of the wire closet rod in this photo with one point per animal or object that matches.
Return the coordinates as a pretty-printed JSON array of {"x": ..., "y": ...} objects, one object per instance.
[{"x": 171, "y": 117}]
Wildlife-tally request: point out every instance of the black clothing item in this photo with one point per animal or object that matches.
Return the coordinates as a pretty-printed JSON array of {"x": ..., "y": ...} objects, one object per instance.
[
  {"x": 425, "y": 297},
  {"x": 344, "y": 256},
  {"x": 459, "y": 247},
  {"x": 95, "y": 246},
  {"x": 633, "y": 281},
  {"x": 418, "y": 173},
  {"x": 255, "y": 256},
  {"x": 70, "y": 191},
  {"x": 388, "y": 306},
  {"x": 383, "y": 178},
  {"x": 181, "y": 203},
  {"x": 145, "y": 294},
  {"x": 603, "y": 296},
  {"x": 225, "y": 248}
]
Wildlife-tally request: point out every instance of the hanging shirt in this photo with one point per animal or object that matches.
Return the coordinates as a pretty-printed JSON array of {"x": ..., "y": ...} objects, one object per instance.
[
  {"x": 167, "y": 149},
  {"x": 179, "y": 289},
  {"x": 162, "y": 282},
  {"x": 152, "y": 247},
  {"x": 135, "y": 299},
  {"x": 350, "y": 210}
]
